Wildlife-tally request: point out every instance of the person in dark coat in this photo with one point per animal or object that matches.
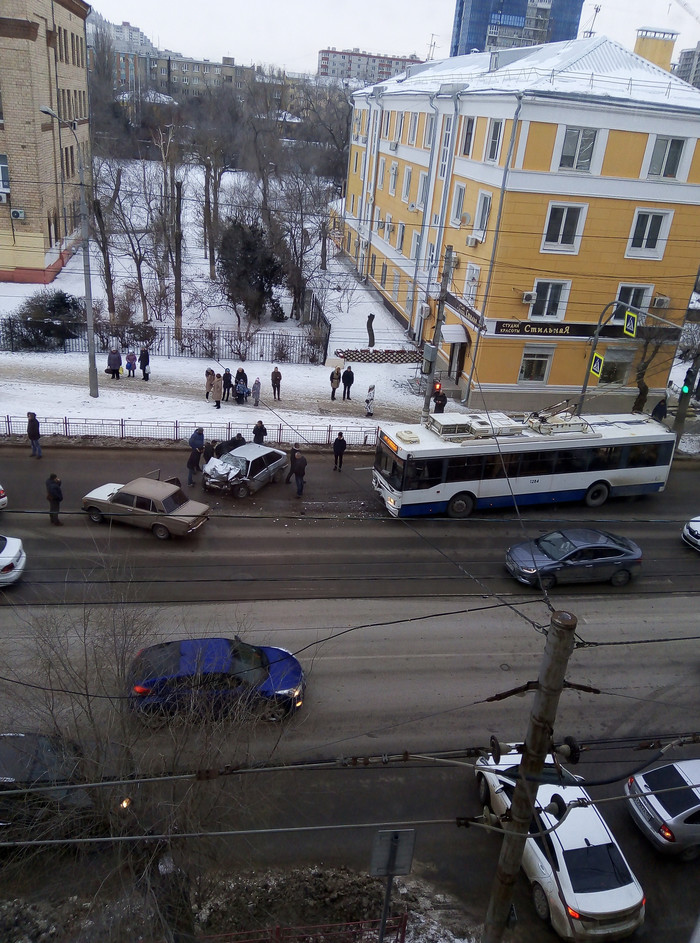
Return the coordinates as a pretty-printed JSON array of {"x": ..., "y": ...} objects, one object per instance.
[
  {"x": 193, "y": 465},
  {"x": 223, "y": 448},
  {"x": 209, "y": 450},
  {"x": 299, "y": 472},
  {"x": 292, "y": 455},
  {"x": 339, "y": 446},
  {"x": 348, "y": 380},
  {"x": 276, "y": 378},
  {"x": 440, "y": 400},
  {"x": 241, "y": 375},
  {"x": 241, "y": 391},
  {"x": 114, "y": 362},
  {"x": 227, "y": 381},
  {"x": 259, "y": 432},
  {"x": 33, "y": 435},
  {"x": 660, "y": 411},
  {"x": 54, "y": 496},
  {"x": 144, "y": 363},
  {"x": 196, "y": 441}
]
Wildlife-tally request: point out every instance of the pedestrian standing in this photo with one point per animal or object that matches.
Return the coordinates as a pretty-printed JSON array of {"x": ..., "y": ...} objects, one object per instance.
[
  {"x": 299, "y": 472},
  {"x": 660, "y": 411},
  {"x": 276, "y": 378},
  {"x": 131, "y": 364},
  {"x": 196, "y": 441},
  {"x": 193, "y": 465},
  {"x": 209, "y": 377},
  {"x": 369, "y": 402},
  {"x": 241, "y": 390},
  {"x": 292, "y": 456},
  {"x": 335, "y": 381},
  {"x": 348, "y": 380},
  {"x": 241, "y": 375},
  {"x": 227, "y": 383},
  {"x": 114, "y": 362},
  {"x": 33, "y": 435},
  {"x": 54, "y": 496},
  {"x": 339, "y": 446},
  {"x": 145, "y": 363},
  {"x": 256, "y": 391},
  {"x": 259, "y": 432},
  {"x": 440, "y": 400},
  {"x": 217, "y": 390},
  {"x": 209, "y": 450}
]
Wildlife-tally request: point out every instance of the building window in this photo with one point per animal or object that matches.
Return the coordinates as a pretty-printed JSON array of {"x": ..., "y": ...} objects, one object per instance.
[
  {"x": 380, "y": 173},
  {"x": 494, "y": 142},
  {"x": 481, "y": 221},
  {"x": 428, "y": 131},
  {"x": 364, "y": 166},
  {"x": 355, "y": 161},
  {"x": 616, "y": 366},
  {"x": 388, "y": 228},
  {"x": 445, "y": 147},
  {"x": 377, "y": 218},
  {"x": 413, "y": 127},
  {"x": 185, "y": 67},
  {"x": 406, "y": 188},
  {"x": 635, "y": 296},
  {"x": 396, "y": 286},
  {"x": 393, "y": 175},
  {"x": 468, "y": 137},
  {"x": 665, "y": 157},
  {"x": 195, "y": 68},
  {"x": 400, "y": 234},
  {"x": 185, "y": 80},
  {"x": 577, "y": 149},
  {"x": 415, "y": 242},
  {"x": 372, "y": 265},
  {"x": 352, "y": 204},
  {"x": 163, "y": 71},
  {"x": 386, "y": 118},
  {"x": 564, "y": 228},
  {"x": 471, "y": 284},
  {"x": 458, "y": 203},
  {"x": 649, "y": 234},
  {"x": 398, "y": 129},
  {"x": 550, "y": 300},
  {"x": 382, "y": 277},
  {"x": 534, "y": 367},
  {"x": 4, "y": 173}
]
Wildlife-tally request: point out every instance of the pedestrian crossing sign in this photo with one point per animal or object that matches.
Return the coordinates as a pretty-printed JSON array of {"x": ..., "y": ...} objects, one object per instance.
[
  {"x": 597, "y": 366},
  {"x": 630, "y": 328}
]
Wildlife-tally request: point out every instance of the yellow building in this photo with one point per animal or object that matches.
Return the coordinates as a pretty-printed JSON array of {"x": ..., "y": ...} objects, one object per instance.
[
  {"x": 566, "y": 178},
  {"x": 43, "y": 55}
]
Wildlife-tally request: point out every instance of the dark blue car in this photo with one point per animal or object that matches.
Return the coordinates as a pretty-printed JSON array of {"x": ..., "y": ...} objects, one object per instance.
[{"x": 214, "y": 677}]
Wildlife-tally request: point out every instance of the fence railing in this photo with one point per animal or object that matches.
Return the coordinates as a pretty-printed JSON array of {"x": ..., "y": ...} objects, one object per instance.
[
  {"x": 309, "y": 345},
  {"x": 282, "y": 434}
]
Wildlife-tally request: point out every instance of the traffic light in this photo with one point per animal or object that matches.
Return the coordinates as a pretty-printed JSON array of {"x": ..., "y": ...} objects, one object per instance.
[
  {"x": 688, "y": 380},
  {"x": 437, "y": 386},
  {"x": 685, "y": 388}
]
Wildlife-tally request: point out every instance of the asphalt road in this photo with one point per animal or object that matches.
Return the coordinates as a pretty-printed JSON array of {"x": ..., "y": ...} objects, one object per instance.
[{"x": 406, "y": 630}]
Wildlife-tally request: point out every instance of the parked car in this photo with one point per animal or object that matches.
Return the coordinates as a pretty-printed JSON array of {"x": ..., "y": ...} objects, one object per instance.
[
  {"x": 29, "y": 762},
  {"x": 13, "y": 560},
  {"x": 579, "y": 878},
  {"x": 245, "y": 470},
  {"x": 691, "y": 533},
  {"x": 670, "y": 820},
  {"x": 159, "y": 506},
  {"x": 3, "y": 498},
  {"x": 574, "y": 555},
  {"x": 214, "y": 677}
]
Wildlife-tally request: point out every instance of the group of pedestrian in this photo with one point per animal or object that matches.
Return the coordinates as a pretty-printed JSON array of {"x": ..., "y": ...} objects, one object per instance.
[
  {"x": 223, "y": 386},
  {"x": 347, "y": 378},
  {"x": 115, "y": 367}
]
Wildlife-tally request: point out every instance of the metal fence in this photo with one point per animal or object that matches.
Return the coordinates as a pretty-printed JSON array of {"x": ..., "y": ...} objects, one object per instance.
[
  {"x": 309, "y": 345},
  {"x": 282, "y": 434}
]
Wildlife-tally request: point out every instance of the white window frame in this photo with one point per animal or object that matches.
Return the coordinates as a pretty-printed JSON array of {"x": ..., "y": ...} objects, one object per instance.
[
  {"x": 396, "y": 286},
  {"x": 445, "y": 146},
  {"x": 363, "y": 166},
  {"x": 400, "y": 236},
  {"x": 398, "y": 126},
  {"x": 563, "y": 289},
  {"x": 494, "y": 140},
  {"x": 422, "y": 189},
  {"x": 661, "y": 153},
  {"x": 406, "y": 186},
  {"x": 352, "y": 204},
  {"x": 415, "y": 245},
  {"x": 471, "y": 283},
  {"x": 413, "y": 127},
  {"x": 631, "y": 288},
  {"x": 467, "y": 142},
  {"x": 643, "y": 251},
  {"x": 382, "y": 275},
  {"x": 393, "y": 176},
  {"x": 458, "y": 197},
  {"x": 380, "y": 173},
  {"x": 386, "y": 119},
  {"x": 387, "y": 226},
  {"x": 355, "y": 162},
  {"x": 578, "y": 165},
  {"x": 377, "y": 218},
  {"x": 483, "y": 211},
  {"x": 557, "y": 246},
  {"x": 540, "y": 354},
  {"x": 428, "y": 130}
]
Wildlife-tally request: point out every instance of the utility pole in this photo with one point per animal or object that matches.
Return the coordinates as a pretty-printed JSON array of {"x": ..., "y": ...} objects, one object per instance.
[
  {"x": 430, "y": 350},
  {"x": 560, "y": 644},
  {"x": 178, "y": 260},
  {"x": 684, "y": 399}
]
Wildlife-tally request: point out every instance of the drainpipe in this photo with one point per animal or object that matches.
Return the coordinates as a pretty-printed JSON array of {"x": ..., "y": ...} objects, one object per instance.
[
  {"x": 426, "y": 210},
  {"x": 373, "y": 132},
  {"x": 487, "y": 289}
]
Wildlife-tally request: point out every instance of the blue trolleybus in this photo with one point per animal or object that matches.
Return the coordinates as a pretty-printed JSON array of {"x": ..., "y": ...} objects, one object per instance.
[{"x": 464, "y": 462}]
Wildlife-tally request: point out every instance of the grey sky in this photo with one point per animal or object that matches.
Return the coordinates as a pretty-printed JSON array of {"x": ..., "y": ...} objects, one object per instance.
[{"x": 289, "y": 33}]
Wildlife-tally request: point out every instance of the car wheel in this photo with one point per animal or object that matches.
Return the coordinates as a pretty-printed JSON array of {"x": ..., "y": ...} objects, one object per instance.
[
  {"x": 482, "y": 788},
  {"x": 621, "y": 577},
  {"x": 597, "y": 495},
  {"x": 690, "y": 854},
  {"x": 161, "y": 532},
  {"x": 240, "y": 491},
  {"x": 95, "y": 515},
  {"x": 275, "y": 711},
  {"x": 460, "y": 505},
  {"x": 548, "y": 581},
  {"x": 539, "y": 899}
]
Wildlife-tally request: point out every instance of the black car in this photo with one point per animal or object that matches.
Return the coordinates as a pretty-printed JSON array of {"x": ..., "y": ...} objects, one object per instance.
[{"x": 574, "y": 555}]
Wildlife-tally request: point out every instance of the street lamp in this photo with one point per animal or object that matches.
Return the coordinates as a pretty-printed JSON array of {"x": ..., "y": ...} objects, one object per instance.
[{"x": 92, "y": 366}]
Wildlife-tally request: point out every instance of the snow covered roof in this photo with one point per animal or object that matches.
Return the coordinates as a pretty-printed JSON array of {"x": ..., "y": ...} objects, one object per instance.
[
  {"x": 155, "y": 98},
  {"x": 597, "y": 67}
]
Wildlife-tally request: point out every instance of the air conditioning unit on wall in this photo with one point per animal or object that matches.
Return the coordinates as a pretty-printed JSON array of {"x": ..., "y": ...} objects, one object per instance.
[
  {"x": 394, "y": 146},
  {"x": 661, "y": 301},
  {"x": 17, "y": 214},
  {"x": 529, "y": 297},
  {"x": 473, "y": 241}
]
